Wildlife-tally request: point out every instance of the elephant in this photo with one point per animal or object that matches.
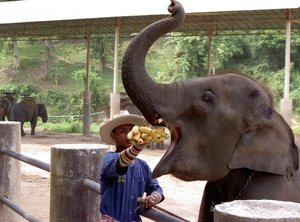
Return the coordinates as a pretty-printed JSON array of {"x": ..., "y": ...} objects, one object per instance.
[
  {"x": 224, "y": 128},
  {"x": 6, "y": 107},
  {"x": 28, "y": 111}
]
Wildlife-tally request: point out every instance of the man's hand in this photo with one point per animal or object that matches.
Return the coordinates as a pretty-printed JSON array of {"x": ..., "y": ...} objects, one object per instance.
[{"x": 150, "y": 201}]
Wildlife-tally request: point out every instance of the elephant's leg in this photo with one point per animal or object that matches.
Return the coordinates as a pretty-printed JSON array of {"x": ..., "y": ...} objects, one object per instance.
[
  {"x": 206, "y": 207},
  {"x": 22, "y": 129},
  {"x": 33, "y": 125}
]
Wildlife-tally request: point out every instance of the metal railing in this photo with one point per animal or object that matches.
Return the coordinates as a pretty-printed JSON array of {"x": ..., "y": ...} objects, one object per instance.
[{"x": 156, "y": 214}]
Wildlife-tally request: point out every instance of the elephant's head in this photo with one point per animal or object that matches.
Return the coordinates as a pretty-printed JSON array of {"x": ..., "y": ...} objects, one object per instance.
[
  {"x": 217, "y": 123},
  {"x": 5, "y": 108},
  {"x": 42, "y": 112}
]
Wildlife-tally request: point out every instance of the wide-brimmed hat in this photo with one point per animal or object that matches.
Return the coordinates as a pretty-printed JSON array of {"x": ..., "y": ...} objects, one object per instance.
[{"x": 120, "y": 118}]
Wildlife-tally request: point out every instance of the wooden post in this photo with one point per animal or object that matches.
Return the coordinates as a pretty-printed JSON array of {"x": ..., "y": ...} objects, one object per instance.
[
  {"x": 70, "y": 164},
  {"x": 10, "y": 169},
  {"x": 257, "y": 210}
]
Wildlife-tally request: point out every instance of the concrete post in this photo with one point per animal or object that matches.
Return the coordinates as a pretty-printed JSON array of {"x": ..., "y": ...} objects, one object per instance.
[
  {"x": 286, "y": 110},
  {"x": 87, "y": 93},
  {"x": 286, "y": 103},
  {"x": 70, "y": 164},
  {"x": 10, "y": 169},
  {"x": 257, "y": 210},
  {"x": 114, "y": 104},
  {"x": 86, "y": 112}
]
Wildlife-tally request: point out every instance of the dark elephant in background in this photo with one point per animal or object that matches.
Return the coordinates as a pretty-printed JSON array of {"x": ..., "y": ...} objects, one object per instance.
[
  {"x": 6, "y": 107},
  {"x": 28, "y": 111},
  {"x": 224, "y": 128}
]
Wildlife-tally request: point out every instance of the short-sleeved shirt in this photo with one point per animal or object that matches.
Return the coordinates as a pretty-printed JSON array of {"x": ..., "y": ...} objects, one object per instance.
[{"x": 119, "y": 193}]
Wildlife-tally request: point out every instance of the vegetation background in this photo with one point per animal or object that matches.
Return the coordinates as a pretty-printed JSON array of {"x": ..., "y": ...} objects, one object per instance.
[{"x": 53, "y": 71}]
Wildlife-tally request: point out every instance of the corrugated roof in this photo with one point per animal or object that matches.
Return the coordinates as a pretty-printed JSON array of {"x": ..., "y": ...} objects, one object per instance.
[{"x": 73, "y": 19}]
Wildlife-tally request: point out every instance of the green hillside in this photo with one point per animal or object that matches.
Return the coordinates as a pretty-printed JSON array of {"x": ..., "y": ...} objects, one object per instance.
[
  {"x": 169, "y": 59},
  {"x": 62, "y": 89}
]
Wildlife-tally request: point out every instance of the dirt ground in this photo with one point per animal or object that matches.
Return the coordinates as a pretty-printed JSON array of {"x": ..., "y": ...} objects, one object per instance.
[{"x": 182, "y": 198}]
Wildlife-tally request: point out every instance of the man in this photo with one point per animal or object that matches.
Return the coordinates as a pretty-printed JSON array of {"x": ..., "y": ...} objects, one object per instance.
[{"x": 123, "y": 176}]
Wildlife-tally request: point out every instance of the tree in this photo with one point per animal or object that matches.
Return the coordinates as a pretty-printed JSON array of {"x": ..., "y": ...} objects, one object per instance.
[
  {"x": 271, "y": 48},
  {"x": 228, "y": 52},
  {"x": 98, "y": 90},
  {"x": 16, "y": 64},
  {"x": 101, "y": 48},
  {"x": 191, "y": 55},
  {"x": 48, "y": 50}
]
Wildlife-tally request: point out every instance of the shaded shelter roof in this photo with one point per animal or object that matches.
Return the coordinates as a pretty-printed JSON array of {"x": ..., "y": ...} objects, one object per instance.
[{"x": 74, "y": 19}]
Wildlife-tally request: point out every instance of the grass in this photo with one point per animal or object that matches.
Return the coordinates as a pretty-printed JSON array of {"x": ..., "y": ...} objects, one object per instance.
[
  {"x": 65, "y": 126},
  {"x": 296, "y": 129}
]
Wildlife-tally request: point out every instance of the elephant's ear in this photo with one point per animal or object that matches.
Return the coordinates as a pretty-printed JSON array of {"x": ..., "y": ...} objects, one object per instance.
[{"x": 269, "y": 148}]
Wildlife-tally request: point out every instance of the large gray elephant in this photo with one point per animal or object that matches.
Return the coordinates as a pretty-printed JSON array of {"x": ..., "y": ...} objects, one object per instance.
[
  {"x": 6, "y": 109},
  {"x": 224, "y": 128},
  {"x": 28, "y": 111}
]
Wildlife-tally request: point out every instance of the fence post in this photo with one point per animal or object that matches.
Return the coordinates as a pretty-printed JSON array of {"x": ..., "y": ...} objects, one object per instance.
[
  {"x": 70, "y": 163},
  {"x": 10, "y": 169}
]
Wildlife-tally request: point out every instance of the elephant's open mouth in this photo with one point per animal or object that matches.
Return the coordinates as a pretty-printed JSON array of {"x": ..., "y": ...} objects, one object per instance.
[
  {"x": 175, "y": 137},
  {"x": 160, "y": 168}
]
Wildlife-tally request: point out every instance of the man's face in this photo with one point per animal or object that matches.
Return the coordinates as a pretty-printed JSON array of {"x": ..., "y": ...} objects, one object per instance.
[{"x": 120, "y": 136}]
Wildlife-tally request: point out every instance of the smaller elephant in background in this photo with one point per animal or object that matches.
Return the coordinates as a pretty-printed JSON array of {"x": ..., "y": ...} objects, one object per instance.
[
  {"x": 28, "y": 111},
  {"x": 6, "y": 107}
]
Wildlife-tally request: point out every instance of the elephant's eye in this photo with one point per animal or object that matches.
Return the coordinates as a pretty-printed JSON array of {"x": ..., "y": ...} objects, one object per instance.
[{"x": 206, "y": 97}]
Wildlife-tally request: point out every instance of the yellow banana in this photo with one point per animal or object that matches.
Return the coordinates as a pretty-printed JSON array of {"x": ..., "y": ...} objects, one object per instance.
[
  {"x": 147, "y": 140},
  {"x": 135, "y": 129},
  {"x": 158, "y": 130},
  {"x": 140, "y": 141},
  {"x": 158, "y": 138},
  {"x": 145, "y": 129},
  {"x": 159, "y": 134},
  {"x": 130, "y": 135},
  {"x": 144, "y": 135},
  {"x": 149, "y": 137},
  {"x": 137, "y": 136}
]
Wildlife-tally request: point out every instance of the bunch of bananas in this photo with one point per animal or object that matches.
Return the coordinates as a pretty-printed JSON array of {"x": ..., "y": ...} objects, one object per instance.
[{"x": 144, "y": 134}]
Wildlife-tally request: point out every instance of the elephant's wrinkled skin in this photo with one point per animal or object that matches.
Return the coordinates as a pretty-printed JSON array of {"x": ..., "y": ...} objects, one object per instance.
[
  {"x": 6, "y": 107},
  {"x": 224, "y": 128},
  {"x": 29, "y": 113}
]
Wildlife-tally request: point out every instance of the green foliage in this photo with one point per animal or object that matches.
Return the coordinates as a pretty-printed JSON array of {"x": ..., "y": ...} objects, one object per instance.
[
  {"x": 159, "y": 63},
  {"x": 190, "y": 56},
  {"x": 228, "y": 52},
  {"x": 21, "y": 89},
  {"x": 64, "y": 126},
  {"x": 97, "y": 89},
  {"x": 102, "y": 49},
  {"x": 295, "y": 89},
  {"x": 170, "y": 59}
]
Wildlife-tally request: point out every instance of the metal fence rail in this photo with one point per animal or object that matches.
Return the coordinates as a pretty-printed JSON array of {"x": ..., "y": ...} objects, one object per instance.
[
  {"x": 26, "y": 159},
  {"x": 92, "y": 185},
  {"x": 18, "y": 210}
]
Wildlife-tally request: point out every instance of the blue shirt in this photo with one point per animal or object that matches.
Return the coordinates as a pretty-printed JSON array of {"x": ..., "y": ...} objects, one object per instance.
[{"x": 119, "y": 191}]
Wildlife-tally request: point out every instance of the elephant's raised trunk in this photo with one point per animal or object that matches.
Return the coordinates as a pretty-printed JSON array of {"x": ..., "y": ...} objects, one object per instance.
[{"x": 145, "y": 93}]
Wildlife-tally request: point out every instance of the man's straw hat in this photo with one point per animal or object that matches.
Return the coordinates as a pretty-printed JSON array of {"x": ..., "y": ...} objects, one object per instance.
[{"x": 120, "y": 118}]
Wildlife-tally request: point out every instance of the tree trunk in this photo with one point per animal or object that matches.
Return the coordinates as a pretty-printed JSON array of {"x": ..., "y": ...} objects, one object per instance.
[
  {"x": 47, "y": 58},
  {"x": 16, "y": 64}
]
